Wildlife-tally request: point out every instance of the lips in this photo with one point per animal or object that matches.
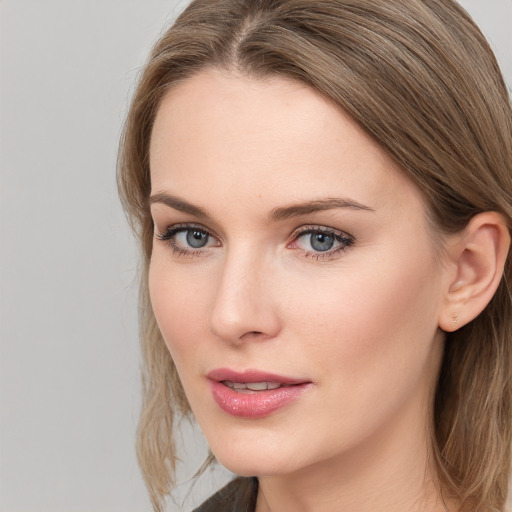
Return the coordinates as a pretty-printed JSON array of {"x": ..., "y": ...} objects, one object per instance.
[{"x": 254, "y": 394}]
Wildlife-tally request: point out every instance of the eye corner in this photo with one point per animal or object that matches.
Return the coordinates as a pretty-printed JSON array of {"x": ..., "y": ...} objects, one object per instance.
[
  {"x": 330, "y": 243},
  {"x": 185, "y": 239}
]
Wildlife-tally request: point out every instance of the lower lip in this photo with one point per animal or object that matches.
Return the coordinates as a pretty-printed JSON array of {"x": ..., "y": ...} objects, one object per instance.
[{"x": 257, "y": 404}]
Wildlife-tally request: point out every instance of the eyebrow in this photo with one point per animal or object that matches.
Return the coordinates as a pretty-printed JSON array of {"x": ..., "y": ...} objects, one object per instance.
[
  {"x": 277, "y": 214},
  {"x": 178, "y": 204},
  {"x": 308, "y": 207}
]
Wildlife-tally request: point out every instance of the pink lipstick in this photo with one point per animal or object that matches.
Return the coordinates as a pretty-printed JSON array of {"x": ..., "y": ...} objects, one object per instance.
[{"x": 254, "y": 394}]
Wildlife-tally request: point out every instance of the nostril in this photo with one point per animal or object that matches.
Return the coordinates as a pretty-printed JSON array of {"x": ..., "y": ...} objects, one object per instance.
[{"x": 252, "y": 335}]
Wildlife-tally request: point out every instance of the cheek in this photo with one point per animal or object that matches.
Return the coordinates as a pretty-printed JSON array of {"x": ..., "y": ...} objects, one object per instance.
[
  {"x": 378, "y": 322},
  {"x": 177, "y": 302}
]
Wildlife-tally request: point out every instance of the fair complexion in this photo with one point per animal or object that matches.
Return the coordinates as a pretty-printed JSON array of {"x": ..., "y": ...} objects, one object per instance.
[{"x": 287, "y": 242}]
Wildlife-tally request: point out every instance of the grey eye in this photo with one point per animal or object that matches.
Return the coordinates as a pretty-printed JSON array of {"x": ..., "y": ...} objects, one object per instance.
[
  {"x": 321, "y": 241},
  {"x": 196, "y": 239}
]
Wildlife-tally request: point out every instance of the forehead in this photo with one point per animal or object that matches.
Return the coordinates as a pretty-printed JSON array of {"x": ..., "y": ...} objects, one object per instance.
[{"x": 272, "y": 138}]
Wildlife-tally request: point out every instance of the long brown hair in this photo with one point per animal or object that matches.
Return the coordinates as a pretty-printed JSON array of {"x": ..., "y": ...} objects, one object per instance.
[{"x": 420, "y": 78}]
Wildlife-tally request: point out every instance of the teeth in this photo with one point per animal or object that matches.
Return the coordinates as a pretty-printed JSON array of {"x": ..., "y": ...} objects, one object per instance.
[
  {"x": 257, "y": 386},
  {"x": 252, "y": 386}
]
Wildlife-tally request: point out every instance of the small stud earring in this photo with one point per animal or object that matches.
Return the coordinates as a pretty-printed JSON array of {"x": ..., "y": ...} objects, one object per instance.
[{"x": 455, "y": 316}]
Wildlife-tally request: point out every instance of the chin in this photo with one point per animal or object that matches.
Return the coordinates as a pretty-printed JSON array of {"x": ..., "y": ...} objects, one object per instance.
[
  {"x": 252, "y": 458},
  {"x": 244, "y": 466}
]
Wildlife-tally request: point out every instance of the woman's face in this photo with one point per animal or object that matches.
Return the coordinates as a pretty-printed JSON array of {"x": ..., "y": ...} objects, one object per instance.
[{"x": 293, "y": 276}]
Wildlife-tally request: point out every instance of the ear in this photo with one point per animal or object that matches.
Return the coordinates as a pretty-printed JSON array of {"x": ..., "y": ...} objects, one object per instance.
[{"x": 477, "y": 258}]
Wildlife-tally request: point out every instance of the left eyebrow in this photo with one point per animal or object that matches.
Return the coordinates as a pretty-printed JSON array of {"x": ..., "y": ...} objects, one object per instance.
[{"x": 306, "y": 208}]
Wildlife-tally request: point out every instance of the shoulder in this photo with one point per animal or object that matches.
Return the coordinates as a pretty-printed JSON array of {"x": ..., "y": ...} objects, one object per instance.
[{"x": 237, "y": 496}]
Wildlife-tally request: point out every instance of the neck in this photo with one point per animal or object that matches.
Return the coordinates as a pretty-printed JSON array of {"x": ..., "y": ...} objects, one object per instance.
[{"x": 390, "y": 472}]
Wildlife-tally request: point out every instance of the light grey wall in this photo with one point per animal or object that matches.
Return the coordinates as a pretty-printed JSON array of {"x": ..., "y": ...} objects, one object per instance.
[
  {"x": 69, "y": 352},
  {"x": 494, "y": 17}
]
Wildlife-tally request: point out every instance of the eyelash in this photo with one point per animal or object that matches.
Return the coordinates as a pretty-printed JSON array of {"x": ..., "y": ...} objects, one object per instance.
[
  {"x": 170, "y": 232},
  {"x": 345, "y": 240}
]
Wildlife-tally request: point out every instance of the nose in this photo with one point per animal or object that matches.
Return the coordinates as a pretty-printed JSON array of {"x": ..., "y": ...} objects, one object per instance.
[{"x": 244, "y": 306}]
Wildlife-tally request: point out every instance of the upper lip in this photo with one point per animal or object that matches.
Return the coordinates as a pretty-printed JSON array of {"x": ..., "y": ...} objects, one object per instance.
[{"x": 246, "y": 376}]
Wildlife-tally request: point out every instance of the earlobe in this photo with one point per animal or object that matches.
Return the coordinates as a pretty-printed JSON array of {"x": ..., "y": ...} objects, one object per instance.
[{"x": 477, "y": 255}]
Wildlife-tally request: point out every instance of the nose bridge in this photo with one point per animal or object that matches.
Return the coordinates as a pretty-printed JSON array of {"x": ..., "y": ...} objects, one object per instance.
[{"x": 243, "y": 302}]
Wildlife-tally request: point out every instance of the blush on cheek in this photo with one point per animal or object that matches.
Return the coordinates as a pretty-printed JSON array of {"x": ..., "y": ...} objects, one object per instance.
[{"x": 177, "y": 309}]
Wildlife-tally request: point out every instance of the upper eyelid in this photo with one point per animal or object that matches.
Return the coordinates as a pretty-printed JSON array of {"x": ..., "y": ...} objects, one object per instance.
[
  {"x": 184, "y": 226},
  {"x": 318, "y": 228},
  {"x": 343, "y": 237},
  {"x": 168, "y": 233},
  {"x": 163, "y": 225},
  {"x": 325, "y": 229},
  {"x": 296, "y": 233}
]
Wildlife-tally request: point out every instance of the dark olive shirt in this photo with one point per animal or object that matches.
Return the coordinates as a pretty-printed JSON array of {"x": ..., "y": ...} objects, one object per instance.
[{"x": 237, "y": 496}]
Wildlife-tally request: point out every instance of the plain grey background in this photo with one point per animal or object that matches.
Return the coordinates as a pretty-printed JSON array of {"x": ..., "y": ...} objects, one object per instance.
[{"x": 69, "y": 383}]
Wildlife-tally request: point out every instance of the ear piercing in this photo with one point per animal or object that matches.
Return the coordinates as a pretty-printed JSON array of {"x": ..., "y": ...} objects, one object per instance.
[{"x": 455, "y": 316}]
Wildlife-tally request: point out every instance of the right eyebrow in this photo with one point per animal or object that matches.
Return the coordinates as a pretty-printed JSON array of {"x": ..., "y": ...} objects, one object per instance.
[{"x": 178, "y": 204}]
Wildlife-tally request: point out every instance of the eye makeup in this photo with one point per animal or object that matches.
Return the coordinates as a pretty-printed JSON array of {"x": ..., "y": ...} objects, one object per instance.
[{"x": 312, "y": 242}]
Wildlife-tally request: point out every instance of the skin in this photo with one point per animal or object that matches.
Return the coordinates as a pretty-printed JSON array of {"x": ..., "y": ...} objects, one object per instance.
[{"x": 362, "y": 323}]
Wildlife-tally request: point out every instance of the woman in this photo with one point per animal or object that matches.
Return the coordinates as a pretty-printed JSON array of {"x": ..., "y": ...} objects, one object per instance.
[{"x": 323, "y": 195}]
